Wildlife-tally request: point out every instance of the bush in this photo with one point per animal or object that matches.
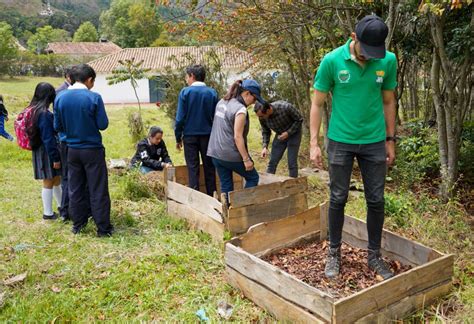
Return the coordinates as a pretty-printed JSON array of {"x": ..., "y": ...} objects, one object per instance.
[
  {"x": 397, "y": 208},
  {"x": 133, "y": 186},
  {"x": 417, "y": 154},
  {"x": 466, "y": 155},
  {"x": 39, "y": 65}
]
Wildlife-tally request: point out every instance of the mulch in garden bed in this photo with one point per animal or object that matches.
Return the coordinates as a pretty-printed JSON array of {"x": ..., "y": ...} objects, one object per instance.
[{"x": 306, "y": 262}]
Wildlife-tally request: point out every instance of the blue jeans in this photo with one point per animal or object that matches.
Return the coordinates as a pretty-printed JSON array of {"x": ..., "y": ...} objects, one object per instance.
[
  {"x": 372, "y": 163},
  {"x": 278, "y": 149},
  {"x": 3, "y": 132},
  {"x": 225, "y": 169},
  {"x": 145, "y": 169}
]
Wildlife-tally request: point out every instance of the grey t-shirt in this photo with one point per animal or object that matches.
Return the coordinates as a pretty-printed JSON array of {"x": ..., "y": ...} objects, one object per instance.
[{"x": 221, "y": 144}]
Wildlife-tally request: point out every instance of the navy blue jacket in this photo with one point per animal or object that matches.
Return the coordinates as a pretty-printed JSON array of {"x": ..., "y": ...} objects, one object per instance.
[
  {"x": 48, "y": 135},
  {"x": 196, "y": 108},
  {"x": 80, "y": 115}
]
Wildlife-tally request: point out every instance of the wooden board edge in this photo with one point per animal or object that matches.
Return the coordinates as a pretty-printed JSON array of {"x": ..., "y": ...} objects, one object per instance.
[
  {"x": 279, "y": 307},
  {"x": 308, "y": 238},
  {"x": 410, "y": 304},
  {"x": 196, "y": 220},
  {"x": 376, "y": 292},
  {"x": 323, "y": 223}
]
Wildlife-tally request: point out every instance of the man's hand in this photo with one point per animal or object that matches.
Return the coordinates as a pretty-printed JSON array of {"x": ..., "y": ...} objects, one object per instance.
[
  {"x": 283, "y": 136},
  {"x": 316, "y": 156},
  {"x": 390, "y": 149},
  {"x": 168, "y": 165},
  {"x": 248, "y": 165},
  {"x": 179, "y": 146},
  {"x": 57, "y": 165},
  {"x": 264, "y": 153}
]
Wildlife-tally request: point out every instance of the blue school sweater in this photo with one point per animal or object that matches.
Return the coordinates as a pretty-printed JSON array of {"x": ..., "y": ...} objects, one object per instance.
[
  {"x": 48, "y": 136},
  {"x": 80, "y": 115},
  {"x": 196, "y": 108}
]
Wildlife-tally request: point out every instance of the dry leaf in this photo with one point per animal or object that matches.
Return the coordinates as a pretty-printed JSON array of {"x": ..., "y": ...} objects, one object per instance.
[
  {"x": 16, "y": 279},
  {"x": 104, "y": 274},
  {"x": 379, "y": 278},
  {"x": 101, "y": 317}
]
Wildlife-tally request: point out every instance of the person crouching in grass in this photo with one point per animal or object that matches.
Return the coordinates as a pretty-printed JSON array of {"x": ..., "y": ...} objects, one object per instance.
[{"x": 151, "y": 154}]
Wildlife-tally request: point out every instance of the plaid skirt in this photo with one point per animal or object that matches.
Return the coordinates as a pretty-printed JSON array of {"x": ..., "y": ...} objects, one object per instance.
[{"x": 42, "y": 165}]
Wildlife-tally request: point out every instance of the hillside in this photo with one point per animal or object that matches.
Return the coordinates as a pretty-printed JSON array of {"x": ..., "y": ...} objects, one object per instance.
[{"x": 33, "y": 7}]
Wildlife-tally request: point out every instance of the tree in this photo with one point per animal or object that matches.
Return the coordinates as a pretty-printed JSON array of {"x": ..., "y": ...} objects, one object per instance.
[
  {"x": 452, "y": 80},
  {"x": 8, "y": 47},
  {"x": 44, "y": 35},
  {"x": 131, "y": 23},
  {"x": 129, "y": 70},
  {"x": 86, "y": 33}
]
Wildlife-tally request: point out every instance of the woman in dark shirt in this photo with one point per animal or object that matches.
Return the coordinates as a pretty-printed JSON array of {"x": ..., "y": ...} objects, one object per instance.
[
  {"x": 151, "y": 154},
  {"x": 44, "y": 144}
]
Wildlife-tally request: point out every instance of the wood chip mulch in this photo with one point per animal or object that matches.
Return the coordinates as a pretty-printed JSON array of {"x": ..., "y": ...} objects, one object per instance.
[{"x": 306, "y": 262}]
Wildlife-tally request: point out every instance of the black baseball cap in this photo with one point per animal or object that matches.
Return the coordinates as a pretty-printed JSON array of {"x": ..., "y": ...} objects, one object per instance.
[{"x": 371, "y": 32}]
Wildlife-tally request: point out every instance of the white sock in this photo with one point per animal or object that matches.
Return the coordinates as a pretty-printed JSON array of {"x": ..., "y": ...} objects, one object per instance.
[
  {"x": 47, "y": 196},
  {"x": 58, "y": 193}
]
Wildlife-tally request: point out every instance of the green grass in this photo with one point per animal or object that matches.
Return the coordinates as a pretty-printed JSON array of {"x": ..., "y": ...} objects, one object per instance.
[{"x": 154, "y": 268}]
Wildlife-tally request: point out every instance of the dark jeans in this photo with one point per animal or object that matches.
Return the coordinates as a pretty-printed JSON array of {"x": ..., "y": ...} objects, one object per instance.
[
  {"x": 372, "y": 164},
  {"x": 278, "y": 149},
  {"x": 225, "y": 169},
  {"x": 87, "y": 170},
  {"x": 64, "y": 210},
  {"x": 193, "y": 146}
]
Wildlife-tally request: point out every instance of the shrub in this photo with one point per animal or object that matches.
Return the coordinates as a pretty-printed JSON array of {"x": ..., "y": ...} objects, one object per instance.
[
  {"x": 397, "y": 208},
  {"x": 133, "y": 187},
  {"x": 417, "y": 154}
]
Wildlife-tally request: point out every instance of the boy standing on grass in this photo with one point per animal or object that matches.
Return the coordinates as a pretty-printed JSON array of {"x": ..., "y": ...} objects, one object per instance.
[
  {"x": 3, "y": 119},
  {"x": 194, "y": 117},
  {"x": 80, "y": 115}
]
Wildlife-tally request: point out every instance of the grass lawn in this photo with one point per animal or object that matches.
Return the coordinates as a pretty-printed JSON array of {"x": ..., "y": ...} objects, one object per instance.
[{"x": 153, "y": 268}]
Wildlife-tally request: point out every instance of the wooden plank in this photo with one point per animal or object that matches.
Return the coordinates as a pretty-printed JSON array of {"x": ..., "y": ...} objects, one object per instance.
[
  {"x": 196, "y": 220},
  {"x": 199, "y": 201},
  {"x": 181, "y": 177},
  {"x": 280, "y": 308},
  {"x": 279, "y": 282},
  {"x": 408, "y": 305},
  {"x": 241, "y": 218},
  {"x": 266, "y": 178},
  {"x": 385, "y": 293},
  {"x": 324, "y": 214},
  {"x": 271, "y": 235},
  {"x": 414, "y": 252},
  {"x": 267, "y": 192}
]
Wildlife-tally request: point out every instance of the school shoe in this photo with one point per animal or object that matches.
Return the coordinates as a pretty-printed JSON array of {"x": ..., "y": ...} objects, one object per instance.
[
  {"x": 77, "y": 229},
  {"x": 377, "y": 264},
  {"x": 106, "y": 234},
  {"x": 50, "y": 217},
  {"x": 333, "y": 263}
]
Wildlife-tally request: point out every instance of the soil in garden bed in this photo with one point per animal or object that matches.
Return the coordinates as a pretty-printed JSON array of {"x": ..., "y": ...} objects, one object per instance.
[{"x": 306, "y": 262}]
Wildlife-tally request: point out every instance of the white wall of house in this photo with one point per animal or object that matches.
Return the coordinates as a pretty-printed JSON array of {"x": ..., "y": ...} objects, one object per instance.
[{"x": 121, "y": 93}]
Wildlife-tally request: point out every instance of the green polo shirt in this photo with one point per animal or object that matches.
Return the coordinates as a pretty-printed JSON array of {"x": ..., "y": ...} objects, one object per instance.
[{"x": 357, "y": 103}]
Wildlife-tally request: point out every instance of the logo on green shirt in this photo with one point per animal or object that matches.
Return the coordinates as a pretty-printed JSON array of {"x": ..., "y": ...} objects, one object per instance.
[{"x": 344, "y": 76}]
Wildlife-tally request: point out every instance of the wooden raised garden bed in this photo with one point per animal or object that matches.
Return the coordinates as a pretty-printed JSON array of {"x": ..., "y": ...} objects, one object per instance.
[
  {"x": 275, "y": 197},
  {"x": 289, "y": 298}
]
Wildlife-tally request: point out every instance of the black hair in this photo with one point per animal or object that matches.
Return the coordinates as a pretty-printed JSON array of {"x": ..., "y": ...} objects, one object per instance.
[
  {"x": 1, "y": 97},
  {"x": 234, "y": 91},
  {"x": 67, "y": 71},
  {"x": 261, "y": 107},
  {"x": 43, "y": 97},
  {"x": 82, "y": 73},
  {"x": 198, "y": 71},
  {"x": 154, "y": 130}
]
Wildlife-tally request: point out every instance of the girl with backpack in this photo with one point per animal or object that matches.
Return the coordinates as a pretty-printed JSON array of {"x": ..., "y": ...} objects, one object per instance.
[
  {"x": 44, "y": 144},
  {"x": 3, "y": 119}
]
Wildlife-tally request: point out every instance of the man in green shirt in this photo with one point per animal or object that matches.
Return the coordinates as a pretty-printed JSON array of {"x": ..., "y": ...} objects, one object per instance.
[{"x": 362, "y": 76}]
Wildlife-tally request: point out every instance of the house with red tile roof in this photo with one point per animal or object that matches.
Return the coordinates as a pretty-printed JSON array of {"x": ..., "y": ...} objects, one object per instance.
[
  {"x": 235, "y": 63},
  {"x": 83, "y": 51}
]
